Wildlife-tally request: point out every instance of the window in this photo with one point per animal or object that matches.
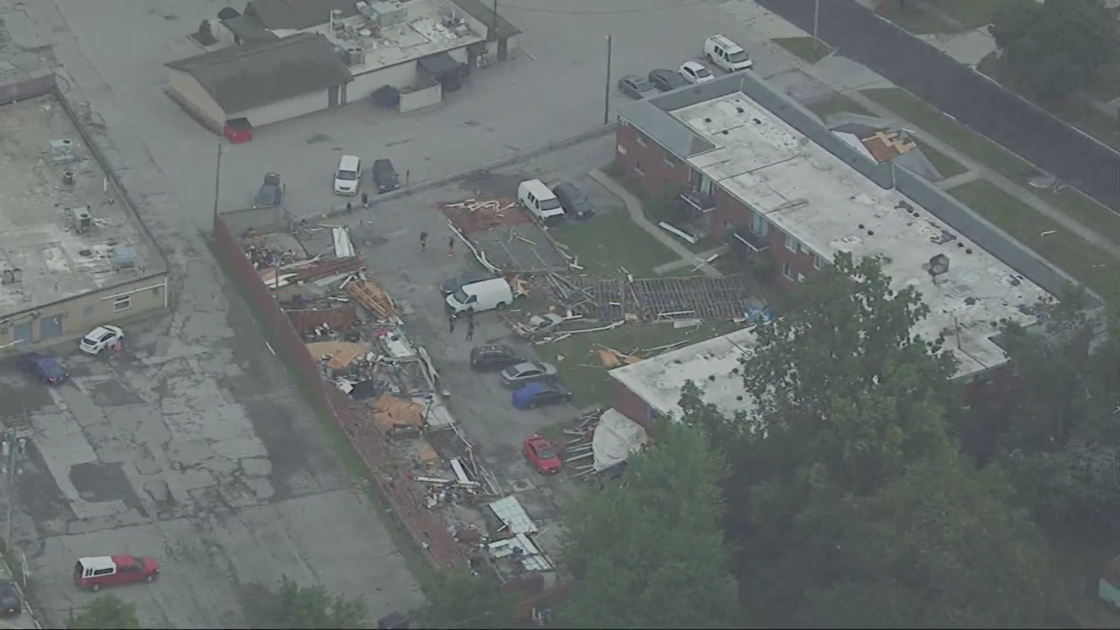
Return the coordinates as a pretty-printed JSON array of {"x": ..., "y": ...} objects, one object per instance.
[
  {"x": 638, "y": 168},
  {"x": 122, "y": 303},
  {"x": 787, "y": 271},
  {"x": 801, "y": 277},
  {"x": 759, "y": 224},
  {"x": 818, "y": 262},
  {"x": 670, "y": 161},
  {"x": 87, "y": 311},
  {"x": 801, "y": 249},
  {"x": 791, "y": 243},
  {"x": 641, "y": 140},
  {"x": 102, "y": 572}
]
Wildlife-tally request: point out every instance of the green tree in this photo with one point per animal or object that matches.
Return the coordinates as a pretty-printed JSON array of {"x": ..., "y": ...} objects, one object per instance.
[
  {"x": 1053, "y": 48},
  {"x": 461, "y": 600},
  {"x": 298, "y": 607},
  {"x": 650, "y": 553},
  {"x": 106, "y": 612}
]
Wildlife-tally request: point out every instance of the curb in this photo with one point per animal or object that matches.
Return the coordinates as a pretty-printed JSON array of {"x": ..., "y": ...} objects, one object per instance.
[{"x": 429, "y": 184}]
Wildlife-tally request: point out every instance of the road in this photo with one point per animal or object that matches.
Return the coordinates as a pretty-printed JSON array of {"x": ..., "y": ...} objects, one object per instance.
[{"x": 962, "y": 93}]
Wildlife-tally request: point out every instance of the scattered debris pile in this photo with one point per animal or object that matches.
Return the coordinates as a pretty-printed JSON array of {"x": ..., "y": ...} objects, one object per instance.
[
  {"x": 484, "y": 213},
  {"x": 371, "y": 297},
  {"x": 513, "y": 553},
  {"x": 601, "y": 443},
  {"x": 503, "y": 237},
  {"x": 657, "y": 299}
]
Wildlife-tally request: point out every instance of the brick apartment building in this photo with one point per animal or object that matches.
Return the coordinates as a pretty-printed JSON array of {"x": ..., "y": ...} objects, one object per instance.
[{"x": 751, "y": 178}]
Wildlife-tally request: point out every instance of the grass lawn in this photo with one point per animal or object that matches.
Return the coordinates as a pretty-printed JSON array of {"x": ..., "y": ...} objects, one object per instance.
[
  {"x": 577, "y": 356},
  {"x": 803, "y": 47},
  {"x": 944, "y": 164},
  {"x": 838, "y": 103},
  {"x": 1084, "y": 210},
  {"x": 609, "y": 241},
  {"x": 970, "y": 13},
  {"x": 916, "y": 19},
  {"x": 916, "y": 111},
  {"x": 1097, "y": 269}
]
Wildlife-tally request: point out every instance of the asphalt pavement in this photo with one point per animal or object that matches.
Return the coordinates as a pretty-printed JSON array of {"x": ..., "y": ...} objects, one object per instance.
[{"x": 974, "y": 100}]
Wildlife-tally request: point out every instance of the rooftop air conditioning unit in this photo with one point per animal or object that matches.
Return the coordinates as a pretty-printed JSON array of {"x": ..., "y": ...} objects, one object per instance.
[
  {"x": 355, "y": 55},
  {"x": 80, "y": 219},
  {"x": 365, "y": 9},
  {"x": 389, "y": 14},
  {"x": 62, "y": 151}
]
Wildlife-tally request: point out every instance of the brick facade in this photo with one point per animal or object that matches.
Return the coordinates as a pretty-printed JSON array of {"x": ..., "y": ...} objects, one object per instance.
[
  {"x": 632, "y": 406},
  {"x": 647, "y": 163}
]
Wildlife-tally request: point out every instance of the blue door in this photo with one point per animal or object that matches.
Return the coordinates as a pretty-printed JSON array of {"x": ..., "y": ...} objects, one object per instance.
[
  {"x": 50, "y": 327},
  {"x": 22, "y": 333}
]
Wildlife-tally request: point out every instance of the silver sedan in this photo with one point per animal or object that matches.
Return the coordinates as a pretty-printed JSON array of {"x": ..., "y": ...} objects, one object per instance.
[{"x": 522, "y": 373}]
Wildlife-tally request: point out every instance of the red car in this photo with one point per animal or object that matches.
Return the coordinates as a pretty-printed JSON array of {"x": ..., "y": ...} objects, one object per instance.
[
  {"x": 93, "y": 573},
  {"x": 542, "y": 455}
]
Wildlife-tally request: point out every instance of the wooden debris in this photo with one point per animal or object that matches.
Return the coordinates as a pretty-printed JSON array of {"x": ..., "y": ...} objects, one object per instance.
[
  {"x": 372, "y": 298},
  {"x": 341, "y": 353}
]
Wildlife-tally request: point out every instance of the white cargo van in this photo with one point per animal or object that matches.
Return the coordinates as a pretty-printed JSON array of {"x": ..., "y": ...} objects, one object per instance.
[
  {"x": 535, "y": 197},
  {"x": 483, "y": 295},
  {"x": 727, "y": 54},
  {"x": 348, "y": 177}
]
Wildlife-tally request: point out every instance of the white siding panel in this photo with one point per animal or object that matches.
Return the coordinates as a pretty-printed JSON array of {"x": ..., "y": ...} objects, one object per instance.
[
  {"x": 283, "y": 110},
  {"x": 399, "y": 76}
]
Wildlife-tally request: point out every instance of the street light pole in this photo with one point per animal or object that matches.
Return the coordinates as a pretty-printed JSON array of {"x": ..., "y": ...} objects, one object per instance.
[
  {"x": 607, "y": 92},
  {"x": 217, "y": 179},
  {"x": 816, "y": 18},
  {"x": 10, "y": 447}
]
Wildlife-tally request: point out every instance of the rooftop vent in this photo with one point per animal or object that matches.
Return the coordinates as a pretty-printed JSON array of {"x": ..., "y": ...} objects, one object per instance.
[
  {"x": 125, "y": 257},
  {"x": 11, "y": 276},
  {"x": 62, "y": 151},
  {"x": 938, "y": 268}
]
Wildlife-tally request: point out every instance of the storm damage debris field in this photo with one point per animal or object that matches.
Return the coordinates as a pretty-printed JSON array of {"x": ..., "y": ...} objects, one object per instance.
[
  {"x": 649, "y": 300},
  {"x": 503, "y": 236}
]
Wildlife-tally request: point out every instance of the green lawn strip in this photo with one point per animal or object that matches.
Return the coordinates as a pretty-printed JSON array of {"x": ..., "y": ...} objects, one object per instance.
[
  {"x": 1096, "y": 268},
  {"x": 836, "y": 104},
  {"x": 577, "y": 357},
  {"x": 1084, "y": 210},
  {"x": 944, "y": 164},
  {"x": 970, "y": 13},
  {"x": 804, "y": 47},
  {"x": 414, "y": 557},
  {"x": 916, "y": 19},
  {"x": 916, "y": 111},
  {"x": 609, "y": 241}
]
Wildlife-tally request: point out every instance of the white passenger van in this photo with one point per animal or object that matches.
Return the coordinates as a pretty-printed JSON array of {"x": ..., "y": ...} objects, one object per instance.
[
  {"x": 348, "y": 177},
  {"x": 535, "y": 197},
  {"x": 483, "y": 295},
  {"x": 727, "y": 54}
]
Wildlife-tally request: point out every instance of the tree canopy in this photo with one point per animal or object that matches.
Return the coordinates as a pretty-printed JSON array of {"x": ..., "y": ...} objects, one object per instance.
[
  {"x": 106, "y": 612},
  {"x": 1053, "y": 48},
  {"x": 462, "y": 600},
  {"x": 855, "y": 506},
  {"x": 306, "y": 608},
  {"x": 650, "y": 553}
]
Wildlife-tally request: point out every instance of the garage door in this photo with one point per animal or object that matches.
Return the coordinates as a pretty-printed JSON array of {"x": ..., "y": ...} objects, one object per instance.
[
  {"x": 22, "y": 333},
  {"x": 50, "y": 327}
]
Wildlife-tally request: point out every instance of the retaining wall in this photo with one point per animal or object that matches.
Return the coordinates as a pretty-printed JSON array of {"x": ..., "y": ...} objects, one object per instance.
[
  {"x": 352, "y": 419},
  {"x": 28, "y": 88}
]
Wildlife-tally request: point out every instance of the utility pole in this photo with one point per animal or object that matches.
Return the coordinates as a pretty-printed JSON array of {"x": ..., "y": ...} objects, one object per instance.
[
  {"x": 607, "y": 93},
  {"x": 493, "y": 34},
  {"x": 217, "y": 179},
  {"x": 816, "y": 18},
  {"x": 9, "y": 450}
]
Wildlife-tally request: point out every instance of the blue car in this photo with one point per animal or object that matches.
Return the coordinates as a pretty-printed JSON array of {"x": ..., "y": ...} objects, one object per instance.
[
  {"x": 42, "y": 367},
  {"x": 541, "y": 393}
]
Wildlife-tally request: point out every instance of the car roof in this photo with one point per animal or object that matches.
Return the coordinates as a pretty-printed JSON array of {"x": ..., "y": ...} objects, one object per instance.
[
  {"x": 100, "y": 330},
  {"x": 693, "y": 65},
  {"x": 533, "y": 388},
  {"x": 124, "y": 559},
  {"x": 493, "y": 347},
  {"x": 98, "y": 562},
  {"x": 538, "y": 439}
]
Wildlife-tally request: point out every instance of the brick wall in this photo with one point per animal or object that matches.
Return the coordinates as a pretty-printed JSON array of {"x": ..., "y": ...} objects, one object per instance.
[
  {"x": 646, "y": 163},
  {"x": 632, "y": 406}
]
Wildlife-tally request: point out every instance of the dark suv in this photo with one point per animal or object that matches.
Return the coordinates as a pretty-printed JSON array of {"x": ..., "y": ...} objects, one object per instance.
[
  {"x": 575, "y": 204},
  {"x": 385, "y": 176}
]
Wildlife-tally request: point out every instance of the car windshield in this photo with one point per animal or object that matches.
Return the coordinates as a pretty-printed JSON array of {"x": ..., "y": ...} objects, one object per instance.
[
  {"x": 550, "y": 204},
  {"x": 545, "y": 451},
  {"x": 738, "y": 56},
  {"x": 643, "y": 86},
  {"x": 347, "y": 176},
  {"x": 461, "y": 296},
  {"x": 702, "y": 72},
  {"x": 51, "y": 367}
]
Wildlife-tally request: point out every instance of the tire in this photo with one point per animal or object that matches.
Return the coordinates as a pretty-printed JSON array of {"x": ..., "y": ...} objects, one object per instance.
[
  {"x": 500, "y": 305},
  {"x": 95, "y": 588}
]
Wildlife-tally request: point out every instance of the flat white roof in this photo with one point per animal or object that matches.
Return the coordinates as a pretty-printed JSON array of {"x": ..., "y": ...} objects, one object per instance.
[
  {"x": 829, "y": 207},
  {"x": 421, "y": 35},
  {"x": 713, "y": 365}
]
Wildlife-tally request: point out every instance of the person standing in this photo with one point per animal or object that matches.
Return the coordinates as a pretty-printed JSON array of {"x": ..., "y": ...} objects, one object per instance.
[
  {"x": 365, "y": 199},
  {"x": 451, "y": 322},
  {"x": 470, "y": 327},
  {"x": 451, "y": 247},
  {"x": 423, "y": 241}
]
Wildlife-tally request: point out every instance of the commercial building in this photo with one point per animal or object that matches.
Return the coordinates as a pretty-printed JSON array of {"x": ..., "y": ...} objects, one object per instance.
[
  {"x": 73, "y": 254},
  {"x": 416, "y": 51},
  {"x": 753, "y": 179}
]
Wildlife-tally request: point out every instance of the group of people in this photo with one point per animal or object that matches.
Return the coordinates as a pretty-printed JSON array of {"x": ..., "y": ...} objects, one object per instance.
[
  {"x": 451, "y": 317},
  {"x": 450, "y": 244}
]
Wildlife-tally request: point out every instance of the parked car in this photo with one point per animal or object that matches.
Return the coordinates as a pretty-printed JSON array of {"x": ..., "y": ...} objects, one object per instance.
[
  {"x": 494, "y": 356},
  {"x": 348, "y": 175},
  {"x": 100, "y": 338},
  {"x": 517, "y": 375},
  {"x": 454, "y": 284},
  {"x": 11, "y": 603},
  {"x": 727, "y": 54},
  {"x": 385, "y": 176},
  {"x": 575, "y": 204},
  {"x": 540, "y": 393},
  {"x": 666, "y": 80},
  {"x": 96, "y": 572},
  {"x": 636, "y": 87},
  {"x": 476, "y": 297},
  {"x": 42, "y": 367},
  {"x": 271, "y": 192},
  {"x": 694, "y": 72},
  {"x": 542, "y": 455}
]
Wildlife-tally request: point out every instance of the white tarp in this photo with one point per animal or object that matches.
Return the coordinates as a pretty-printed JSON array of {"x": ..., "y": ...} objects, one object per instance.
[
  {"x": 343, "y": 248},
  {"x": 616, "y": 438}
]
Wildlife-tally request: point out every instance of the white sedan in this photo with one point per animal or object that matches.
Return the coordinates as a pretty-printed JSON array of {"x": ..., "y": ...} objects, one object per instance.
[
  {"x": 100, "y": 338},
  {"x": 694, "y": 72}
]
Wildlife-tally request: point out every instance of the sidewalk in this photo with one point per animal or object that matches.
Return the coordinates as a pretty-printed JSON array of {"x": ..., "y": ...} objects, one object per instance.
[{"x": 638, "y": 216}]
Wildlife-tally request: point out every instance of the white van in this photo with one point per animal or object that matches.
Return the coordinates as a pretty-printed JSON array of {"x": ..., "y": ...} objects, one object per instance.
[
  {"x": 483, "y": 295},
  {"x": 535, "y": 197},
  {"x": 348, "y": 177},
  {"x": 727, "y": 54}
]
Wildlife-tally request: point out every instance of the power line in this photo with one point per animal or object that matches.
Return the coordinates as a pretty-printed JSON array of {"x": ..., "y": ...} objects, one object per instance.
[{"x": 663, "y": 7}]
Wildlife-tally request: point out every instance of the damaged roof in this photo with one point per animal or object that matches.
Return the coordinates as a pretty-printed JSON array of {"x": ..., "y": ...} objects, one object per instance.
[
  {"x": 297, "y": 14},
  {"x": 240, "y": 78}
]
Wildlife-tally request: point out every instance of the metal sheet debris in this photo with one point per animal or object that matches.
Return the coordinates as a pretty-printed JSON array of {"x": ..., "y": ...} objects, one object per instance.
[{"x": 513, "y": 516}]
